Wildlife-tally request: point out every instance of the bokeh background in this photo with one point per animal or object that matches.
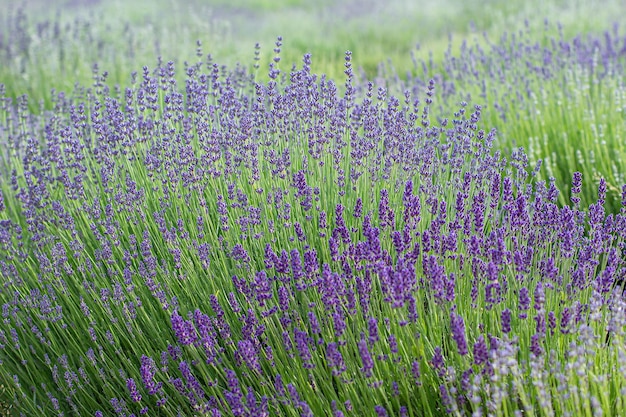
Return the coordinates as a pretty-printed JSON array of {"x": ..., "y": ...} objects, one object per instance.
[{"x": 121, "y": 35}]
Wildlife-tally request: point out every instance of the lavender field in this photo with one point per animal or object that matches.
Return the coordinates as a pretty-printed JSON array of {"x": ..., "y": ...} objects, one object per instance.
[{"x": 437, "y": 232}]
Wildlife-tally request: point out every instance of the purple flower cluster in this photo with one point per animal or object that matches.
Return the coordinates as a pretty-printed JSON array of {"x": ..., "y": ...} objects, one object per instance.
[{"x": 240, "y": 231}]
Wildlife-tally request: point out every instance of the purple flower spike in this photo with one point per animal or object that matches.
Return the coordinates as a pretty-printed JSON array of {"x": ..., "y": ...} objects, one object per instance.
[
  {"x": 576, "y": 187},
  {"x": 380, "y": 411},
  {"x": 132, "y": 387},
  {"x": 524, "y": 302},
  {"x": 416, "y": 373},
  {"x": 358, "y": 208},
  {"x": 183, "y": 329},
  {"x": 481, "y": 353},
  {"x": 457, "y": 327},
  {"x": 438, "y": 362},
  {"x": 366, "y": 358},
  {"x": 506, "y": 320},
  {"x": 302, "y": 344},
  {"x": 247, "y": 352},
  {"x": 372, "y": 325},
  {"x": 148, "y": 371},
  {"x": 535, "y": 346},
  {"x": 335, "y": 359}
]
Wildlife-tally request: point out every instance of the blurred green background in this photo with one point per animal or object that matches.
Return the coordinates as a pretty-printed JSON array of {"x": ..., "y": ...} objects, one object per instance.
[{"x": 53, "y": 44}]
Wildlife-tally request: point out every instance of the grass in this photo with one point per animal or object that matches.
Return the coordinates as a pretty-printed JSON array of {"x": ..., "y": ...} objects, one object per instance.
[{"x": 5, "y": 407}]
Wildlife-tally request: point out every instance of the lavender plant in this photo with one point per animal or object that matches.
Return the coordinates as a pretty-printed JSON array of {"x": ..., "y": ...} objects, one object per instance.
[
  {"x": 230, "y": 247},
  {"x": 567, "y": 94},
  {"x": 47, "y": 44},
  {"x": 560, "y": 99}
]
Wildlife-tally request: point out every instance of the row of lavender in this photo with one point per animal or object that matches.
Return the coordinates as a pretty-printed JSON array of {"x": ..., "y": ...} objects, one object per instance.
[
  {"x": 562, "y": 100},
  {"x": 233, "y": 248}
]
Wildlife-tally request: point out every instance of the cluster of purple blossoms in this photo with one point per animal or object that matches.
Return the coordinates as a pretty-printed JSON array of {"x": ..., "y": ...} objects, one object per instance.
[{"x": 127, "y": 213}]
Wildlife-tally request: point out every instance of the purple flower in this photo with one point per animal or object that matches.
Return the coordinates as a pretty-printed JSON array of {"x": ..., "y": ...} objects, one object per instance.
[
  {"x": 551, "y": 321},
  {"x": 132, "y": 387},
  {"x": 393, "y": 344},
  {"x": 506, "y": 320},
  {"x": 263, "y": 289},
  {"x": 335, "y": 359},
  {"x": 234, "y": 395},
  {"x": 372, "y": 326},
  {"x": 315, "y": 325},
  {"x": 254, "y": 409},
  {"x": 481, "y": 353},
  {"x": 293, "y": 393},
  {"x": 340, "y": 230},
  {"x": 336, "y": 411},
  {"x": 395, "y": 389},
  {"x": 239, "y": 253},
  {"x": 358, "y": 208},
  {"x": 380, "y": 411},
  {"x": 566, "y": 320},
  {"x": 247, "y": 352},
  {"x": 191, "y": 381},
  {"x": 437, "y": 362},
  {"x": 524, "y": 302},
  {"x": 296, "y": 269},
  {"x": 270, "y": 257},
  {"x": 282, "y": 264},
  {"x": 148, "y": 371},
  {"x": 215, "y": 305},
  {"x": 183, "y": 329},
  {"x": 283, "y": 298},
  {"x": 322, "y": 224},
  {"x": 333, "y": 246},
  {"x": 478, "y": 211},
  {"x": 311, "y": 265},
  {"x": 398, "y": 241},
  {"x": 339, "y": 323},
  {"x": 535, "y": 346},
  {"x": 303, "y": 191},
  {"x": 329, "y": 288},
  {"x": 457, "y": 327},
  {"x": 118, "y": 405},
  {"x": 299, "y": 232},
  {"x": 446, "y": 399},
  {"x": 540, "y": 297},
  {"x": 279, "y": 386},
  {"x": 540, "y": 321},
  {"x": 366, "y": 358},
  {"x": 577, "y": 180},
  {"x": 302, "y": 345},
  {"x": 204, "y": 254},
  {"x": 412, "y": 309},
  {"x": 415, "y": 372},
  {"x": 385, "y": 212}
]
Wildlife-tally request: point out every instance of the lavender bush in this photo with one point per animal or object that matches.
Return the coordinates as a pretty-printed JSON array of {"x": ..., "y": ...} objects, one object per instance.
[
  {"x": 283, "y": 249},
  {"x": 560, "y": 99},
  {"x": 296, "y": 248},
  {"x": 559, "y": 96}
]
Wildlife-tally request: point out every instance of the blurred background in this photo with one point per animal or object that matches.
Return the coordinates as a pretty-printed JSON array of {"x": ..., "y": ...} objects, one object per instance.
[{"x": 53, "y": 44}]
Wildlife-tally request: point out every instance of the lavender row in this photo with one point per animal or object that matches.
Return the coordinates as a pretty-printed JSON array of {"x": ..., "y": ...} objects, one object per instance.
[
  {"x": 226, "y": 247},
  {"x": 560, "y": 98}
]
